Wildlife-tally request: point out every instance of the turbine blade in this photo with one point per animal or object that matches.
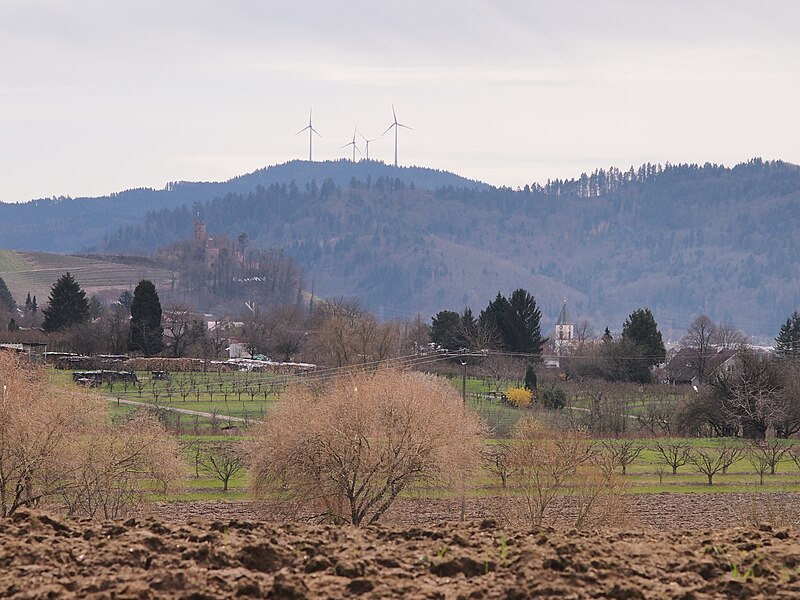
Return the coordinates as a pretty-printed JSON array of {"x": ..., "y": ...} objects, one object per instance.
[
  {"x": 303, "y": 129},
  {"x": 388, "y": 129},
  {"x": 394, "y": 114},
  {"x": 314, "y": 130},
  {"x": 406, "y": 126}
]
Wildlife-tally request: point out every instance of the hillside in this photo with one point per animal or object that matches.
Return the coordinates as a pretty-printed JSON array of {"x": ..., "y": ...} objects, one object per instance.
[
  {"x": 76, "y": 224},
  {"x": 681, "y": 239},
  {"x": 35, "y": 273}
]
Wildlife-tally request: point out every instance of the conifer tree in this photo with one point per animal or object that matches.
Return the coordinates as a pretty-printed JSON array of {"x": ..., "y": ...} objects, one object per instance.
[
  {"x": 67, "y": 305},
  {"x": 641, "y": 329},
  {"x": 787, "y": 344},
  {"x": 147, "y": 333},
  {"x": 6, "y": 299}
]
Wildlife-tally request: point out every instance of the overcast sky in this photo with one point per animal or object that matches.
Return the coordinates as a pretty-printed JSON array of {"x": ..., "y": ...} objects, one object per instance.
[{"x": 99, "y": 96}]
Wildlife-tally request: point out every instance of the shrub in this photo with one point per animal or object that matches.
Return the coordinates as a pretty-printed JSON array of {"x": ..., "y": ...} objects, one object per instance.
[
  {"x": 553, "y": 397},
  {"x": 519, "y": 397},
  {"x": 345, "y": 452},
  {"x": 58, "y": 449}
]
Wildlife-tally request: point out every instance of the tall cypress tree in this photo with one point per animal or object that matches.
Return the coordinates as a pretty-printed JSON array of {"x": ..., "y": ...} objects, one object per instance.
[
  {"x": 67, "y": 305},
  {"x": 147, "y": 334},
  {"x": 6, "y": 299}
]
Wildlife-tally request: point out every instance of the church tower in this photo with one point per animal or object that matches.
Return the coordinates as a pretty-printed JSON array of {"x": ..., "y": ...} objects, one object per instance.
[{"x": 564, "y": 329}]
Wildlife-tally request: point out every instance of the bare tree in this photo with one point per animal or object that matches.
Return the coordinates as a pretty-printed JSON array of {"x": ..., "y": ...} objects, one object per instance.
[
  {"x": 700, "y": 338},
  {"x": 348, "y": 451},
  {"x": 36, "y": 429},
  {"x": 771, "y": 451},
  {"x": 543, "y": 463},
  {"x": 673, "y": 454},
  {"x": 551, "y": 465},
  {"x": 182, "y": 328},
  {"x": 728, "y": 337},
  {"x": 498, "y": 458},
  {"x": 222, "y": 462},
  {"x": 751, "y": 394},
  {"x": 584, "y": 332},
  {"x": 622, "y": 452},
  {"x": 111, "y": 469},
  {"x": 711, "y": 461},
  {"x": 58, "y": 446}
]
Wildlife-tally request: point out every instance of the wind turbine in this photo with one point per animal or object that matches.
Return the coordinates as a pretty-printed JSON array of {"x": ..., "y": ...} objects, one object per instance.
[
  {"x": 366, "y": 144},
  {"x": 395, "y": 124},
  {"x": 353, "y": 144},
  {"x": 311, "y": 131}
]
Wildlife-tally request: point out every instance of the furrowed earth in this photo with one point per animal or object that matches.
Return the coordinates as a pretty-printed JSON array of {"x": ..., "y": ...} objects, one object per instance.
[{"x": 219, "y": 550}]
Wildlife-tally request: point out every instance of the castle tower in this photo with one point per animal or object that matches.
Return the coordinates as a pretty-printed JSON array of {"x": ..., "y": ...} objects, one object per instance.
[
  {"x": 564, "y": 329},
  {"x": 200, "y": 235}
]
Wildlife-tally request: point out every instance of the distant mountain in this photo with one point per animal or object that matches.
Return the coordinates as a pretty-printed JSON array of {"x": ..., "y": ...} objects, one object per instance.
[
  {"x": 77, "y": 224},
  {"x": 681, "y": 239}
]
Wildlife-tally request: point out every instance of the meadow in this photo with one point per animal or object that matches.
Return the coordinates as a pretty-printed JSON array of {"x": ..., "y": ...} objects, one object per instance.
[{"x": 251, "y": 396}]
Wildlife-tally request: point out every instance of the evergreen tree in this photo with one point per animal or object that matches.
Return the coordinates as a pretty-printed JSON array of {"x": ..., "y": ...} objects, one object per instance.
[
  {"x": 34, "y": 306},
  {"x": 530, "y": 378},
  {"x": 607, "y": 337},
  {"x": 444, "y": 329},
  {"x": 517, "y": 320},
  {"x": 67, "y": 305},
  {"x": 641, "y": 329},
  {"x": 6, "y": 299},
  {"x": 147, "y": 333},
  {"x": 787, "y": 344}
]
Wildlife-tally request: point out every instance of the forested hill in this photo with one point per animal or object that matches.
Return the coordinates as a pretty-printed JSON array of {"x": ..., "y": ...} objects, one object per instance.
[
  {"x": 76, "y": 224},
  {"x": 681, "y": 239}
]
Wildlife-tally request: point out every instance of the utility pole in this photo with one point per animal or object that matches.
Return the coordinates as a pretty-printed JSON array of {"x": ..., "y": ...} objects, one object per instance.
[{"x": 464, "y": 382}]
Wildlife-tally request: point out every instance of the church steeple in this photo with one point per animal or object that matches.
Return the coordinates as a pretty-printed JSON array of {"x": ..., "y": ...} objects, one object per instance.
[{"x": 564, "y": 329}]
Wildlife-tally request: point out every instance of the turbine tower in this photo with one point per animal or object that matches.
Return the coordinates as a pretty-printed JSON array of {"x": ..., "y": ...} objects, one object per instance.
[
  {"x": 366, "y": 144},
  {"x": 353, "y": 144},
  {"x": 395, "y": 124},
  {"x": 311, "y": 131}
]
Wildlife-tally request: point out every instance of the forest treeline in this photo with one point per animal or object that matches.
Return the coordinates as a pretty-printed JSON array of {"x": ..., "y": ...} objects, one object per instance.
[{"x": 682, "y": 239}]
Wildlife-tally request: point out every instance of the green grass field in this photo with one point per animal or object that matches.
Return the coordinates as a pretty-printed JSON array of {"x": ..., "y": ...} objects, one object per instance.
[{"x": 206, "y": 392}]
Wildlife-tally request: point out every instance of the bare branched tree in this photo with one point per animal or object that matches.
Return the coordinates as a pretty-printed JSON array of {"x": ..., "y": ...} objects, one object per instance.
[
  {"x": 711, "y": 461},
  {"x": 700, "y": 338},
  {"x": 622, "y": 452},
  {"x": 222, "y": 462},
  {"x": 673, "y": 454},
  {"x": 36, "y": 429},
  {"x": 111, "y": 470},
  {"x": 58, "y": 448},
  {"x": 348, "y": 451},
  {"x": 549, "y": 466},
  {"x": 751, "y": 394},
  {"x": 728, "y": 337}
]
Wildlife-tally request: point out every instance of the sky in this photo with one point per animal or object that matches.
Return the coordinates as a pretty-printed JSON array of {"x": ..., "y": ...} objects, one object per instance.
[{"x": 98, "y": 96}]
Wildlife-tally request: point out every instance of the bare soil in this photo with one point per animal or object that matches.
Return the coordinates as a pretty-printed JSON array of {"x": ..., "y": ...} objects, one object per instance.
[{"x": 224, "y": 555}]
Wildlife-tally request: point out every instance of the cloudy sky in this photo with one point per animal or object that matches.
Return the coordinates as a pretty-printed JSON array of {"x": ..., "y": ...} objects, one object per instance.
[{"x": 99, "y": 95}]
